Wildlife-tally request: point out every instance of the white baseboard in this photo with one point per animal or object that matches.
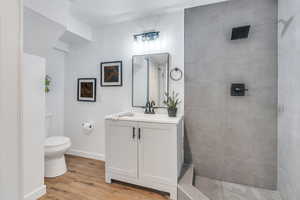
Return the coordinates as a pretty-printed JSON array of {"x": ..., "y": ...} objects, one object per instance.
[
  {"x": 84, "y": 154},
  {"x": 37, "y": 193}
]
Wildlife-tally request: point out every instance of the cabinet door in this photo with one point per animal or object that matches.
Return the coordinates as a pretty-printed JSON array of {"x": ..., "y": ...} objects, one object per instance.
[
  {"x": 122, "y": 149},
  {"x": 157, "y": 153}
]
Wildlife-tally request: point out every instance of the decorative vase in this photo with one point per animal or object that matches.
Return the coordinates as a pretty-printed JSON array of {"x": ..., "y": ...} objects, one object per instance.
[{"x": 172, "y": 112}]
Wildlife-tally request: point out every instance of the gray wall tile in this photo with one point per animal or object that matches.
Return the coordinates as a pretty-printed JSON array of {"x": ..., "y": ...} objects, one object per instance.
[
  {"x": 232, "y": 138},
  {"x": 288, "y": 99}
]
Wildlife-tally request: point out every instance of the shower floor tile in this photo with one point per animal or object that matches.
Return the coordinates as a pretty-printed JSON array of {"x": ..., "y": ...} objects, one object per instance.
[{"x": 219, "y": 190}]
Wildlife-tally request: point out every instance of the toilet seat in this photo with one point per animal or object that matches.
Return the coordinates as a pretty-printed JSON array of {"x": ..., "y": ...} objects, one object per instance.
[{"x": 56, "y": 141}]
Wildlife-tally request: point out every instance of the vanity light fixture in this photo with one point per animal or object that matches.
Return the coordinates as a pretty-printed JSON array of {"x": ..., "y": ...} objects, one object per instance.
[{"x": 146, "y": 36}]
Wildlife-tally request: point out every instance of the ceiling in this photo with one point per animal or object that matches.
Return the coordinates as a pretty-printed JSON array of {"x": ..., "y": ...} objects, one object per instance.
[{"x": 100, "y": 12}]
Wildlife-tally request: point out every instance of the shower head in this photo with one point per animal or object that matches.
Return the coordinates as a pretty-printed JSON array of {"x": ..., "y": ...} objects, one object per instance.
[{"x": 241, "y": 32}]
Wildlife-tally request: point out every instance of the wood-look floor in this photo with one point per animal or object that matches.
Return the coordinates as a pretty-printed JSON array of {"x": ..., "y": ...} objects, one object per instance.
[{"x": 85, "y": 180}]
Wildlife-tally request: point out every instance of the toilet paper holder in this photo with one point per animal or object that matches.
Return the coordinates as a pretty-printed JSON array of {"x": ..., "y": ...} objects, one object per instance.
[{"x": 89, "y": 126}]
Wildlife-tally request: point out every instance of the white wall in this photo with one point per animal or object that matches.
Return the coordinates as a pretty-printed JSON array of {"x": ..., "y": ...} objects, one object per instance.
[
  {"x": 10, "y": 61},
  {"x": 81, "y": 29},
  {"x": 40, "y": 33},
  {"x": 55, "y": 10},
  {"x": 45, "y": 22},
  {"x": 55, "y": 68},
  {"x": 33, "y": 125},
  {"x": 114, "y": 42},
  {"x": 77, "y": 32}
]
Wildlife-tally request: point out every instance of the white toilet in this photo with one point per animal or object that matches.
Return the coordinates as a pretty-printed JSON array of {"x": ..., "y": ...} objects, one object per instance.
[{"x": 55, "y": 149}]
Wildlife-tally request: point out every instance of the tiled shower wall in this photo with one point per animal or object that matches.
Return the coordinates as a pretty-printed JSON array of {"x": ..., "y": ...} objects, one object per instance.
[
  {"x": 289, "y": 99},
  {"x": 232, "y": 138}
]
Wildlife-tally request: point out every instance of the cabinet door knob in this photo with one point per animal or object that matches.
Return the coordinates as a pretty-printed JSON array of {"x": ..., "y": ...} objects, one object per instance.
[{"x": 133, "y": 133}]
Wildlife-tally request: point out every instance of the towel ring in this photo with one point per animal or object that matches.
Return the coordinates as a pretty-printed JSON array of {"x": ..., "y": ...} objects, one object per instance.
[{"x": 176, "y": 74}]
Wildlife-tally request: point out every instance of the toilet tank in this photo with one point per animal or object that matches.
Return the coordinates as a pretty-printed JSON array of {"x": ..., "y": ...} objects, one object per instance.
[{"x": 49, "y": 118}]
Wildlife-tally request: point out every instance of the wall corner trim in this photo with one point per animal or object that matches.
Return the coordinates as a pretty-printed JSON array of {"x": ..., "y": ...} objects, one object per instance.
[{"x": 37, "y": 193}]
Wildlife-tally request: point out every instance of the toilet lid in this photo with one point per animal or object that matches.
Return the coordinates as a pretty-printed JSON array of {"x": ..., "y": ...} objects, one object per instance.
[{"x": 56, "y": 141}]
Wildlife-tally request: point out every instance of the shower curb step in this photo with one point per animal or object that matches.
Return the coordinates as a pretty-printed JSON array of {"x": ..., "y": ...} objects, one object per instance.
[
  {"x": 186, "y": 188},
  {"x": 187, "y": 174}
]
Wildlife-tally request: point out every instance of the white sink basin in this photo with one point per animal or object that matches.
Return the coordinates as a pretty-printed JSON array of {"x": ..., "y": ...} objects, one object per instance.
[{"x": 141, "y": 117}]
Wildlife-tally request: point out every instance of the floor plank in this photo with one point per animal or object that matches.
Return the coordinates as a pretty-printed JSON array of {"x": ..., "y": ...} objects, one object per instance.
[{"x": 85, "y": 180}]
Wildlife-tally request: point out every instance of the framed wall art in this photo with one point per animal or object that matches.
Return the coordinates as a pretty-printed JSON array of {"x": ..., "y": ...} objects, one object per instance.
[
  {"x": 111, "y": 74},
  {"x": 86, "y": 89}
]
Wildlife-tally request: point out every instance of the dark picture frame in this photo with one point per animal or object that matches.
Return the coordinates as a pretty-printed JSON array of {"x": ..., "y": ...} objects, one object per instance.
[
  {"x": 111, "y": 74},
  {"x": 87, "y": 89}
]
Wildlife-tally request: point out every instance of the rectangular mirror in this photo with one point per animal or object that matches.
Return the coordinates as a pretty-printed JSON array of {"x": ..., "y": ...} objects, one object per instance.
[{"x": 150, "y": 79}]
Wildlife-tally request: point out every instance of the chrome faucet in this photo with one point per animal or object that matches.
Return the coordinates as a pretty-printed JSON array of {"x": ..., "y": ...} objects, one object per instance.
[{"x": 149, "y": 108}]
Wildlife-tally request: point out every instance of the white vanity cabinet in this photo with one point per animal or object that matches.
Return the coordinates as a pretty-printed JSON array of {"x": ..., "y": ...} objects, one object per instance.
[
  {"x": 121, "y": 149},
  {"x": 145, "y": 152}
]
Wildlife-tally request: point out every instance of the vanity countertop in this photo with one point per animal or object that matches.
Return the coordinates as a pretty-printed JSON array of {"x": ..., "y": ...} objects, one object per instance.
[{"x": 141, "y": 117}]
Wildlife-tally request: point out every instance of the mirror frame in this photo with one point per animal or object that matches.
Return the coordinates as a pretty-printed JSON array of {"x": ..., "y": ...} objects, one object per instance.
[{"x": 132, "y": 82}]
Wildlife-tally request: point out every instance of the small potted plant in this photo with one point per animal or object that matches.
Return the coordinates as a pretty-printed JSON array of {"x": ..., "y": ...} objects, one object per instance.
[
  {"x": 172, "y": 101},
  {"x": 47, "y": 83}
]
